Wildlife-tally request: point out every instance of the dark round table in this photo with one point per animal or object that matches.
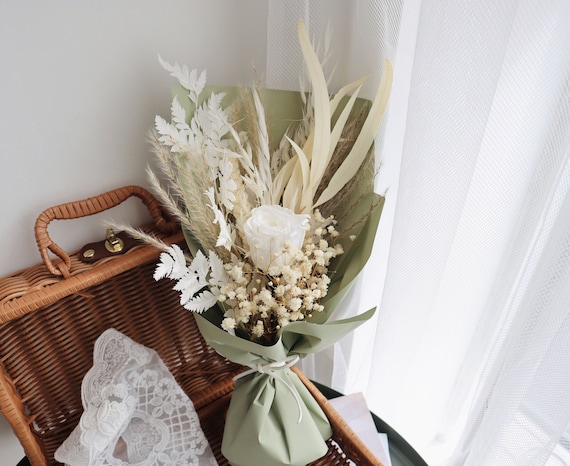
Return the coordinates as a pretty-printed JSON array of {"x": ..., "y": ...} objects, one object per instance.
[{"x": 401, "y": 452}]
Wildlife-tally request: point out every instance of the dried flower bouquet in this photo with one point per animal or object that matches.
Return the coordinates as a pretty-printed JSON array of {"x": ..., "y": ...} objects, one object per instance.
[{"x": 274, "y": 190}]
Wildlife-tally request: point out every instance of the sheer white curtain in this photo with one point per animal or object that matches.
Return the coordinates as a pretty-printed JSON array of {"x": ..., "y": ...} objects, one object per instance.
[
  {"x": 469, "y": 354},
  {"x": 364, "y": 33}
]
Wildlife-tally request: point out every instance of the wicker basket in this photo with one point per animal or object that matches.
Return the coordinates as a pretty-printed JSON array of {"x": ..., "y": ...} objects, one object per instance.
[{"x": 52, "y": 313}]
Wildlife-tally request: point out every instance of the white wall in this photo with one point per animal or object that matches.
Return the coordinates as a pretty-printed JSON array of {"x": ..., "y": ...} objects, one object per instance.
[{"x": 80, "y": 84}]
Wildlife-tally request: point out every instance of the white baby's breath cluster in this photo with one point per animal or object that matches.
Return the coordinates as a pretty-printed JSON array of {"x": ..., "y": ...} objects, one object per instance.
[
  {"x": 287, "y": 293},
  {"x": 264, "y": 249}
]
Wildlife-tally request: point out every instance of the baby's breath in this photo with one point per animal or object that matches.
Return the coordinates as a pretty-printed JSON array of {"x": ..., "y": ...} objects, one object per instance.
[{"x": 260, "y": 304}]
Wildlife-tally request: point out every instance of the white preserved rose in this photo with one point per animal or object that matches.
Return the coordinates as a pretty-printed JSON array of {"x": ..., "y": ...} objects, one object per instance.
[{"x": 273, "y": 232}]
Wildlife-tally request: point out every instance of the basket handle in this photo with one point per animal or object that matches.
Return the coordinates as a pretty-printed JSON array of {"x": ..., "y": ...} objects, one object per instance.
[{"x": 91, "y": 206}]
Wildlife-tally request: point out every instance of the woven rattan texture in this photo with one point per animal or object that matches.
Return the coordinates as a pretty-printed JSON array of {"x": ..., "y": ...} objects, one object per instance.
[{"x": 46, "y": 353}]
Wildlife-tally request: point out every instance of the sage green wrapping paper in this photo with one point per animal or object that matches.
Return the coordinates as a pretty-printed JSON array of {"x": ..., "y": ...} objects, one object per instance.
[
  {"x": 262, "y": 427},
  {"x": 272, "y": 415}
]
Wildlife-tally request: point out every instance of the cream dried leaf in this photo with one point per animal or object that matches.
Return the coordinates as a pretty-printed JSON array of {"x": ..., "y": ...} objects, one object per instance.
[
  {"x": 201, "y": 302},
  {"x": 169, "y": 135},
  {"x": 187, "y": 79},
  {"x": 172, "y": 264},
  {"x": 218, "y": 276},
  {"x": 194, "y": 280},
  {"x": 225, "y": 236}
]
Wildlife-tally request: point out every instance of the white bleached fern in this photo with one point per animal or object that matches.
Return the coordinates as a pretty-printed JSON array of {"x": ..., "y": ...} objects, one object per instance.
[
  {"x": 203, "y": 138},
  {"x": 172, "y": 264},
  {"x": 190, "y": 80},
  {"x": 225, "y": 236},
  {"x": 198, "y": 283}
]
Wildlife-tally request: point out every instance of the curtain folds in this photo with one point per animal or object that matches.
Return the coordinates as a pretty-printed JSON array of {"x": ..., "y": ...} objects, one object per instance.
[{"x": 468, "y": 354}]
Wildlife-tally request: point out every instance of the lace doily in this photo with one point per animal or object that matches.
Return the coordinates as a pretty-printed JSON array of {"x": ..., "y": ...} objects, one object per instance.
[{"x": 134, "y": 412}]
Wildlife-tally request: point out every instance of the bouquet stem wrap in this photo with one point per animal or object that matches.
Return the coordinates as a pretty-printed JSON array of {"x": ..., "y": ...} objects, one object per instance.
[
  {"x": 273, "y": 419},
  {"x": 263, "y": 404}
]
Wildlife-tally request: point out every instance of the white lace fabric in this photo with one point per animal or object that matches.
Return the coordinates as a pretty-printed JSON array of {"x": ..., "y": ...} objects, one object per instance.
[{"x": 134, "y": 412}]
